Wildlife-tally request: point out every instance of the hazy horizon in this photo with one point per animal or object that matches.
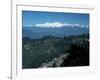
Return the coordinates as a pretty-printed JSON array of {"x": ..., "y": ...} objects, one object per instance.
[{"x": 37, "y": 24}]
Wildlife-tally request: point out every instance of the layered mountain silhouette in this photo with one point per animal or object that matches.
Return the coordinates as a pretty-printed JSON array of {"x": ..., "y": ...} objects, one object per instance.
[{"x": 38, "y": 32}]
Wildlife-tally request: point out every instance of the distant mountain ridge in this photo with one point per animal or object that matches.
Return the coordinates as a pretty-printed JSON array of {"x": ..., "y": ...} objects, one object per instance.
[{"x": 38, "y": 32}]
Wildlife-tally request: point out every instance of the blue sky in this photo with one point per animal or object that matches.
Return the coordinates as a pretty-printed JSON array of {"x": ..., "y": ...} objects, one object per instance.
[{"x": 40, "y": 18}]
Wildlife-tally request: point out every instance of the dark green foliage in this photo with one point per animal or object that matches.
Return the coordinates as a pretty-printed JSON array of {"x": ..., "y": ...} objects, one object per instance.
[
  {"x": 35, "y": 52},
  {"x": 79, "y": 56}
]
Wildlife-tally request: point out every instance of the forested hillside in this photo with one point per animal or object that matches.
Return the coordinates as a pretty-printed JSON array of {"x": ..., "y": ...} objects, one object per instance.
[{"x": 50, "y": 51}]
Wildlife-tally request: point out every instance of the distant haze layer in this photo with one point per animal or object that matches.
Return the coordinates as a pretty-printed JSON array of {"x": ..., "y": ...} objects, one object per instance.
[{"x": 36, "y": 32}]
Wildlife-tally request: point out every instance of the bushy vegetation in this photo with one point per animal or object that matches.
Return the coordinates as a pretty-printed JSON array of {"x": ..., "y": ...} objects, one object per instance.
[{"x": 35, "y": 52}]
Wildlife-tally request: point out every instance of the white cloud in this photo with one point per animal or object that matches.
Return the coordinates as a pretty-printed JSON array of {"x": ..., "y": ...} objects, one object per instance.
[
  {"x": 52, "y": 25},
  {"x": 58, "y": 25}
]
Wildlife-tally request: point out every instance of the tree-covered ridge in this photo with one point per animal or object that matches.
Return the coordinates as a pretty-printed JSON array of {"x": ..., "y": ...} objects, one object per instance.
[{"x": 36, "y": 52}]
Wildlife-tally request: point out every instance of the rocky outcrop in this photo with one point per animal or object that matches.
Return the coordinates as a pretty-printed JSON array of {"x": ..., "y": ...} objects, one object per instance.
[
  {"x": 56, "y": 62},
  {"x": 78, "y": 56}
]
